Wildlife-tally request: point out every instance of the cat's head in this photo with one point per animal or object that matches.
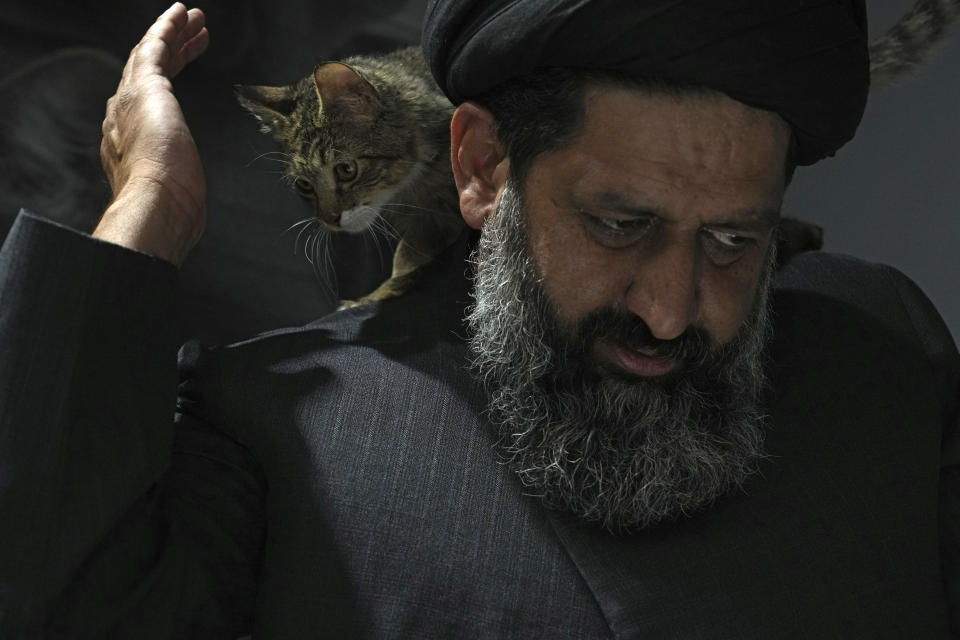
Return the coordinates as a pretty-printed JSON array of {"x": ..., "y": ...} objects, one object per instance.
[{"x": 349, "y": 147}]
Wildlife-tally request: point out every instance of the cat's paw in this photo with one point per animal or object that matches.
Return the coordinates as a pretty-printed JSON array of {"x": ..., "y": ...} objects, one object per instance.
[
  {"x": 392, "y": 288},
  {"x": 349, "y": 304}
]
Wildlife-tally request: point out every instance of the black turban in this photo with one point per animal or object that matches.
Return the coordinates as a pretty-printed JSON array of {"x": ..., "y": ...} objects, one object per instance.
[{"x": 804, "y": 59}]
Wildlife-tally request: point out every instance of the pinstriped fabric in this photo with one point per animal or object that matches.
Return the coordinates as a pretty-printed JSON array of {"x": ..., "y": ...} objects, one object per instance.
[{"x": 389, "y": 515}]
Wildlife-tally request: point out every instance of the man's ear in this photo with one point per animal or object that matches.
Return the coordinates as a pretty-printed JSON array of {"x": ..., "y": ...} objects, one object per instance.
[{"x": 480, "y": 164}]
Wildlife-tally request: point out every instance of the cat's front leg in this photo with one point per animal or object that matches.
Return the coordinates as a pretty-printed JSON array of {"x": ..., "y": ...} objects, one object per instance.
[
  {"x": 391, "y": 288},
  {"x": 419, "y": 246},
  {"x": 407, "y": 263}
]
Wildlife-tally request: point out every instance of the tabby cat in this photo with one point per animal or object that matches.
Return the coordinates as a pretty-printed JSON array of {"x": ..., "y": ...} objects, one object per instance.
[{"x": 368, "y": 138}]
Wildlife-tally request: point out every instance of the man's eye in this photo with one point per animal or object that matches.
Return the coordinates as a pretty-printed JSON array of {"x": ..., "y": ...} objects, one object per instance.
[
  {"x": 618, "y": 228},
  {"x": 613, "y": 225},
  {"x": 725, "y": 247},
  {"x": 729, "y": 240}
]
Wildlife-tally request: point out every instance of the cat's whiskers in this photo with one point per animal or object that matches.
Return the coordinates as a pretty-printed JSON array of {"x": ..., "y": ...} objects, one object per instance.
[
  {"x": 283, "y": 177},
  {"x": 373, "y": 229},
  {"x": 378, "y": 241},
  {"x": 297, "y": 224},
  {"x": 308, "y": 246},
  {"x": 382, "y": 232},
  {"x": 331, "y": 273},
  {"x": 393, "y": 206},
  {"x": 321, "y": 260},
  {"x": 316, "y": 250},
  {"x": 384, "y": 227},
  {"x": 306, "y": 227},
  {"x": 285, "y": 158}
]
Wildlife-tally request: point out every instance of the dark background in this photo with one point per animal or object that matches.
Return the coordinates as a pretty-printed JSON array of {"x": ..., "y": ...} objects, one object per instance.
[{"x": 890, "y": 196}]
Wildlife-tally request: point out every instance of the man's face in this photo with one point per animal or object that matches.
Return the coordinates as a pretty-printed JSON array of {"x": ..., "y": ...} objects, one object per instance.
[
  {"x": 662, "y": 207},
  {"x": 620, "y": 312}
]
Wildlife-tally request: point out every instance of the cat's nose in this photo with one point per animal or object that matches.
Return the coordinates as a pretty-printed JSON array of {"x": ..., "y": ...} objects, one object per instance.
[
  {"x": 330, "y": 219},
  {"x": 328, "y": 215}
]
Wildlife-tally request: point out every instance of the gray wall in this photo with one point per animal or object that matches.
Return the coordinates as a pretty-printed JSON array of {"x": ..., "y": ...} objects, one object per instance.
[{"x": 893, "y": 194}]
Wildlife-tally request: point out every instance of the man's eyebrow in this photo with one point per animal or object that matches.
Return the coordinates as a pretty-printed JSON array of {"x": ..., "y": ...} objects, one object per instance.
[
  {"x": 751, "y": 220},
  {"x": 613, "y": 201},
  {"x": 754, "y": 220}
]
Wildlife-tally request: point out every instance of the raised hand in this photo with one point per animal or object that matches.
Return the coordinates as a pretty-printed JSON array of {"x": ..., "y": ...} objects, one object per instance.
[{"x": 148, "y": 152}]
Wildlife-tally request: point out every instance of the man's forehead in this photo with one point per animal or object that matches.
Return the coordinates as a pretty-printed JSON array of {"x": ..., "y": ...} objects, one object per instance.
[{"x": 680, "y": 140}]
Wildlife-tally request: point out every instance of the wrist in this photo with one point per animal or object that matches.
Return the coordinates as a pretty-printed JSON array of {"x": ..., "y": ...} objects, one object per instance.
[{"x": 146, "y": 217}]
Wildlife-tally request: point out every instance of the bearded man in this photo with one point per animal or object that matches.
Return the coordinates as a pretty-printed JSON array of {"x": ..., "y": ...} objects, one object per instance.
[{"x": 619, "y": 422}]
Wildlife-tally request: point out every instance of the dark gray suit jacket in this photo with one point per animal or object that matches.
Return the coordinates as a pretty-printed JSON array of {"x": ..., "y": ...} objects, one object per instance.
[{"x": 339, "y": 480}]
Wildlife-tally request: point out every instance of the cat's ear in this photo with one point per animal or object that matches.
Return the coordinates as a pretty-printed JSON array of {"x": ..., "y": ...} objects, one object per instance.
[
  {"x": 340, "y": 87},
  {"x": 272, "y": 106},
  {"x": 480, "y": 164}
]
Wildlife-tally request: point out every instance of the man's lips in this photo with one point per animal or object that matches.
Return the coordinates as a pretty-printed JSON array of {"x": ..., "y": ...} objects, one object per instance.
[{"x": 635, "y": 362}]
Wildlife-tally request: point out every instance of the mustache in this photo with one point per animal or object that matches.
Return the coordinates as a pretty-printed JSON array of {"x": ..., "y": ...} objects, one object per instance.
[{"x": 695, "y": 346}]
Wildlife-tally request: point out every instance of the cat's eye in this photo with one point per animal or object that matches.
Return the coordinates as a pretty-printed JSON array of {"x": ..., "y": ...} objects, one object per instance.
[
  {"x": 345, "y": 171},
  {"x": 303, "y": 187}
]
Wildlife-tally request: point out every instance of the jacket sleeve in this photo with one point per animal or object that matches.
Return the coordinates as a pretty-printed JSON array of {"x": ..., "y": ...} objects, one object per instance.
[{"x": 118, "y": 516}]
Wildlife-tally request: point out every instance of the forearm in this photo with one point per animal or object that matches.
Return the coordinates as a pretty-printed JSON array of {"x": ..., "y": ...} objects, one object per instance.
[{"x": 147, "y": 217}]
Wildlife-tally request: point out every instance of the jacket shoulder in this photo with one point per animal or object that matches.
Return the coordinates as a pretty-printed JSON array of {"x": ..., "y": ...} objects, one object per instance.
[{"x": 870, "y": 291}]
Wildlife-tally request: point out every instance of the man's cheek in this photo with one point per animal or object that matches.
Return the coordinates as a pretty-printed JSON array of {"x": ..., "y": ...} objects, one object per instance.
[
  {"x": 574, "y": 293},
  {"x": 576, "y": 280},
  {"x": 728, "y": 299}
]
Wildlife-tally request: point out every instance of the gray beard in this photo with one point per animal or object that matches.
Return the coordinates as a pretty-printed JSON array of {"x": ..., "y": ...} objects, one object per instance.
[{"x": 625, "y": 453}]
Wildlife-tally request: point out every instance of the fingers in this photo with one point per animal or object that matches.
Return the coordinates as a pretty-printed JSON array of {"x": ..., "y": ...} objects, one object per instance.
[
  {"x": 193, "y": 42},
  {"x": 190, "y": 40},
  {"x": 160, "y": 42},
  {"x": 195, "y": 22},
  {"x": 177, "y": 38}
]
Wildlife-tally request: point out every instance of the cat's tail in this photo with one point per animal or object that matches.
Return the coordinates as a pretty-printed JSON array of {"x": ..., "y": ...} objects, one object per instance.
[{"x": 910, "y": 40}]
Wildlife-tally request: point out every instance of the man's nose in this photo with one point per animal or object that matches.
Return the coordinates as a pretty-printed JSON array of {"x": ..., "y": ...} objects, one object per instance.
[{"x": 665, "y": 290}]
